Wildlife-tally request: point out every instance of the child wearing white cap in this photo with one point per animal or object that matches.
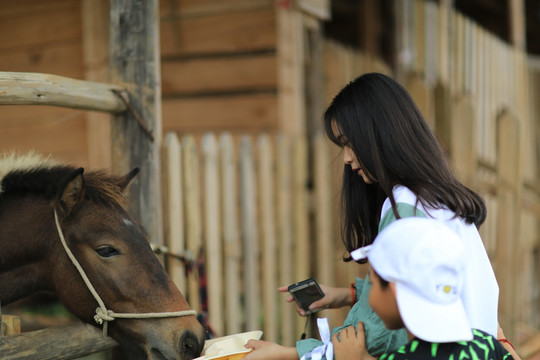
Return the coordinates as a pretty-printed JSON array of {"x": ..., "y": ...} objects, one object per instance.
[{"x": 417, "y": 270}]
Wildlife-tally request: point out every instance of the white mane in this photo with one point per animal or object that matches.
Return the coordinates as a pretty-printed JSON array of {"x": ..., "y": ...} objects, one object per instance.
[{"x": 12, "y": 161}]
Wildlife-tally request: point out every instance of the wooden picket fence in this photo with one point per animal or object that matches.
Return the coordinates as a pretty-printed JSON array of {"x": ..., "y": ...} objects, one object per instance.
[{"x": 249, "y": 203}]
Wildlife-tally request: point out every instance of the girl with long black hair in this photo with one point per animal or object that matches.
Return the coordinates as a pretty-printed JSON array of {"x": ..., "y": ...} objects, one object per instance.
[{"x": 394, "y": 168}]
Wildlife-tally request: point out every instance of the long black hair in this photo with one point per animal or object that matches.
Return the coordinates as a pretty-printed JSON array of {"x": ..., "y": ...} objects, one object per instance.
[{"x": 377, "y": 118}]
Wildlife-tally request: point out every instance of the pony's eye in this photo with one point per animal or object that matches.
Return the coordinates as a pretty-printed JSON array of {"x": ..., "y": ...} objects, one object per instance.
[{"x": 107, "y": 251}]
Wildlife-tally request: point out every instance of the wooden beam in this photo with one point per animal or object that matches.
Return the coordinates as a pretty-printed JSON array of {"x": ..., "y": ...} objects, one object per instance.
[
  {"x": 203, "y": 8},
  {"x": 58, "y": 343},
  {"x": 19, "y": 88},
  {"x": 135, "y": 65}
]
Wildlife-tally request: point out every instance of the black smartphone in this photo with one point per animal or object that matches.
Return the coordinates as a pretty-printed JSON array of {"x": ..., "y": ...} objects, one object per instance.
[{"x": 305, "y": 293}]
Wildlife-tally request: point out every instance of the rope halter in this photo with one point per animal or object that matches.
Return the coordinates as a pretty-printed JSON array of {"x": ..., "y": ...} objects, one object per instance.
[{"x": 103, "y": 315}]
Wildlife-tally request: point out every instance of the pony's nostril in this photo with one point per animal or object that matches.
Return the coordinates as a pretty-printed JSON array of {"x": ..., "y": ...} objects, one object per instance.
[{"x": 190, "y": 346}]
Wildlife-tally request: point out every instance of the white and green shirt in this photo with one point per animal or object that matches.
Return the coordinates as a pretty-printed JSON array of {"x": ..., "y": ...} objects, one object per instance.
[{"x": 481, "y": 292}]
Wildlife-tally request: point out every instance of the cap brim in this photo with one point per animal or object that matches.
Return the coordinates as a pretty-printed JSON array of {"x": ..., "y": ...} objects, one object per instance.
[
  {"x": 432, "y": 322},
  {"x": 361, "y": 253}
]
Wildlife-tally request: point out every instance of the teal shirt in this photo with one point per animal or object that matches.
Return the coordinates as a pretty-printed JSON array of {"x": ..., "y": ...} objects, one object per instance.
[{"x": 379, "y": 340}]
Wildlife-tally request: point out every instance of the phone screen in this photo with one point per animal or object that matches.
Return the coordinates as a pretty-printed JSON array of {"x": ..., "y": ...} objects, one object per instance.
[{"x": 305, "y": 293}]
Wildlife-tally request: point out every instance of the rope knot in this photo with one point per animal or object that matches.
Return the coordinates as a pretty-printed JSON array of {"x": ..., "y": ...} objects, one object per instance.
[{"x": 103, "y": 315}]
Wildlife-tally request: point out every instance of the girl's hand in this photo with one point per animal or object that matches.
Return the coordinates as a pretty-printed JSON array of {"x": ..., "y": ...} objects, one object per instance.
[
  {"x": 334, "y": 298},
  {"x": 351, "y": 344},
  {"x": 265, "y": 350}
]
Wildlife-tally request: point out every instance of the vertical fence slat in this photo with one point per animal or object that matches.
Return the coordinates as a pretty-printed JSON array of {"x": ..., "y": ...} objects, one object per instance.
[
  {"x": 286, "y": 250},
  {"x": 420, "y": 31},
  {"x": 444, "y": 53},
  {"x": 250, "y": 235},
  {"x": 231, "y": 236},
  {"x": 301, "y": 230},
  {"x": 192, "y": 211},
  {"x": 174, "y": 236},
  {"x": 323, "y": 210},
  {"x": 431, "y": 13},
  {"x": 323, "y": 214},
  {"x": 459, "y": 51},
  {"x": 508, "y": 221},
  {"x": 212, "y": 245},
  {"x": 268, "y": 235}
]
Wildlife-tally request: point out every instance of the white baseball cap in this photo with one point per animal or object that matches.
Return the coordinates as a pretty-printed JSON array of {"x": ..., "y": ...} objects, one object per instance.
[{"x": 426, "y": 261}]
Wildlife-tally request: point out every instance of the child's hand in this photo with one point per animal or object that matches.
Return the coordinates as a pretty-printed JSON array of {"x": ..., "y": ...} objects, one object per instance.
[
  {"x": 351, "y": 344},
  {"x": 266, "y": 350},
  {"x": 334, "y": 298}
]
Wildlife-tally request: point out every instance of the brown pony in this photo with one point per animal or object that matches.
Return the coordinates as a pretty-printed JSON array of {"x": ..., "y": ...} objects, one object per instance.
[{"x": 110, "y": 247}]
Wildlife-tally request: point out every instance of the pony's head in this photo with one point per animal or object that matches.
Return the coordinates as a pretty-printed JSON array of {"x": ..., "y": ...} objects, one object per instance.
[{"x": 114, "y": 253}]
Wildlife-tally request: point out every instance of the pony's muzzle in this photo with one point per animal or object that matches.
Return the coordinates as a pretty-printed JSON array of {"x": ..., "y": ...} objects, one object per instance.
[{"x": 190, "y": 346}]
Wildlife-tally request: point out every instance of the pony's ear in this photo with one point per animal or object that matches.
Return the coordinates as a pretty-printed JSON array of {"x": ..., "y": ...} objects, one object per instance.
[
  {"x": 71, "y": 190},
  {"x": 124, "y": 181}
]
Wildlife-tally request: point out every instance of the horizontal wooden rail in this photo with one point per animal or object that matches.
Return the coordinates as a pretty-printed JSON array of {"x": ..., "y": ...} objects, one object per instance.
[
  {"x": 63, "y": 342},
  {"x": 19, "y": 88}
]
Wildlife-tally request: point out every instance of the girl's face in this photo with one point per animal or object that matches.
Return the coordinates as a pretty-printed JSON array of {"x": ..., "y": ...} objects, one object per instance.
[
  {"x": 382, "y": 300},
  {"x": 349, "y": 157}
]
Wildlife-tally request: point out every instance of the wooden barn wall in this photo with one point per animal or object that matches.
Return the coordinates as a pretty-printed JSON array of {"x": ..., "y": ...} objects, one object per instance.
[
  {"x": 43, "y": 37},
  {"x": 219, "y": 70},
  {"x": 219, "y": 66}
]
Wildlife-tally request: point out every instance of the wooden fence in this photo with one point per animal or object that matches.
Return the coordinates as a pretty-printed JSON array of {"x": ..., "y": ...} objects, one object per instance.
[{"x": 250, "y": 204}]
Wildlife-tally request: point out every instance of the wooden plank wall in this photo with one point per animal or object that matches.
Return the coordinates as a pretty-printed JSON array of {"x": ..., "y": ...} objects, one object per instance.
[
  {"x": 43, "y": 37},
  {"x": 219, "y": 66}
]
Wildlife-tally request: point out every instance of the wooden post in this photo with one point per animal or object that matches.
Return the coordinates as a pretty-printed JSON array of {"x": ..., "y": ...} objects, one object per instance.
[
  {"x": 135, "y": 65},
  {"x": 517, "y": 23}
]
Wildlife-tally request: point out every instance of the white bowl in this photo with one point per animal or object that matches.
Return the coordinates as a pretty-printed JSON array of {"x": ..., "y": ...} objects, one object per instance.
[{"x": 230, "y": 347}]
